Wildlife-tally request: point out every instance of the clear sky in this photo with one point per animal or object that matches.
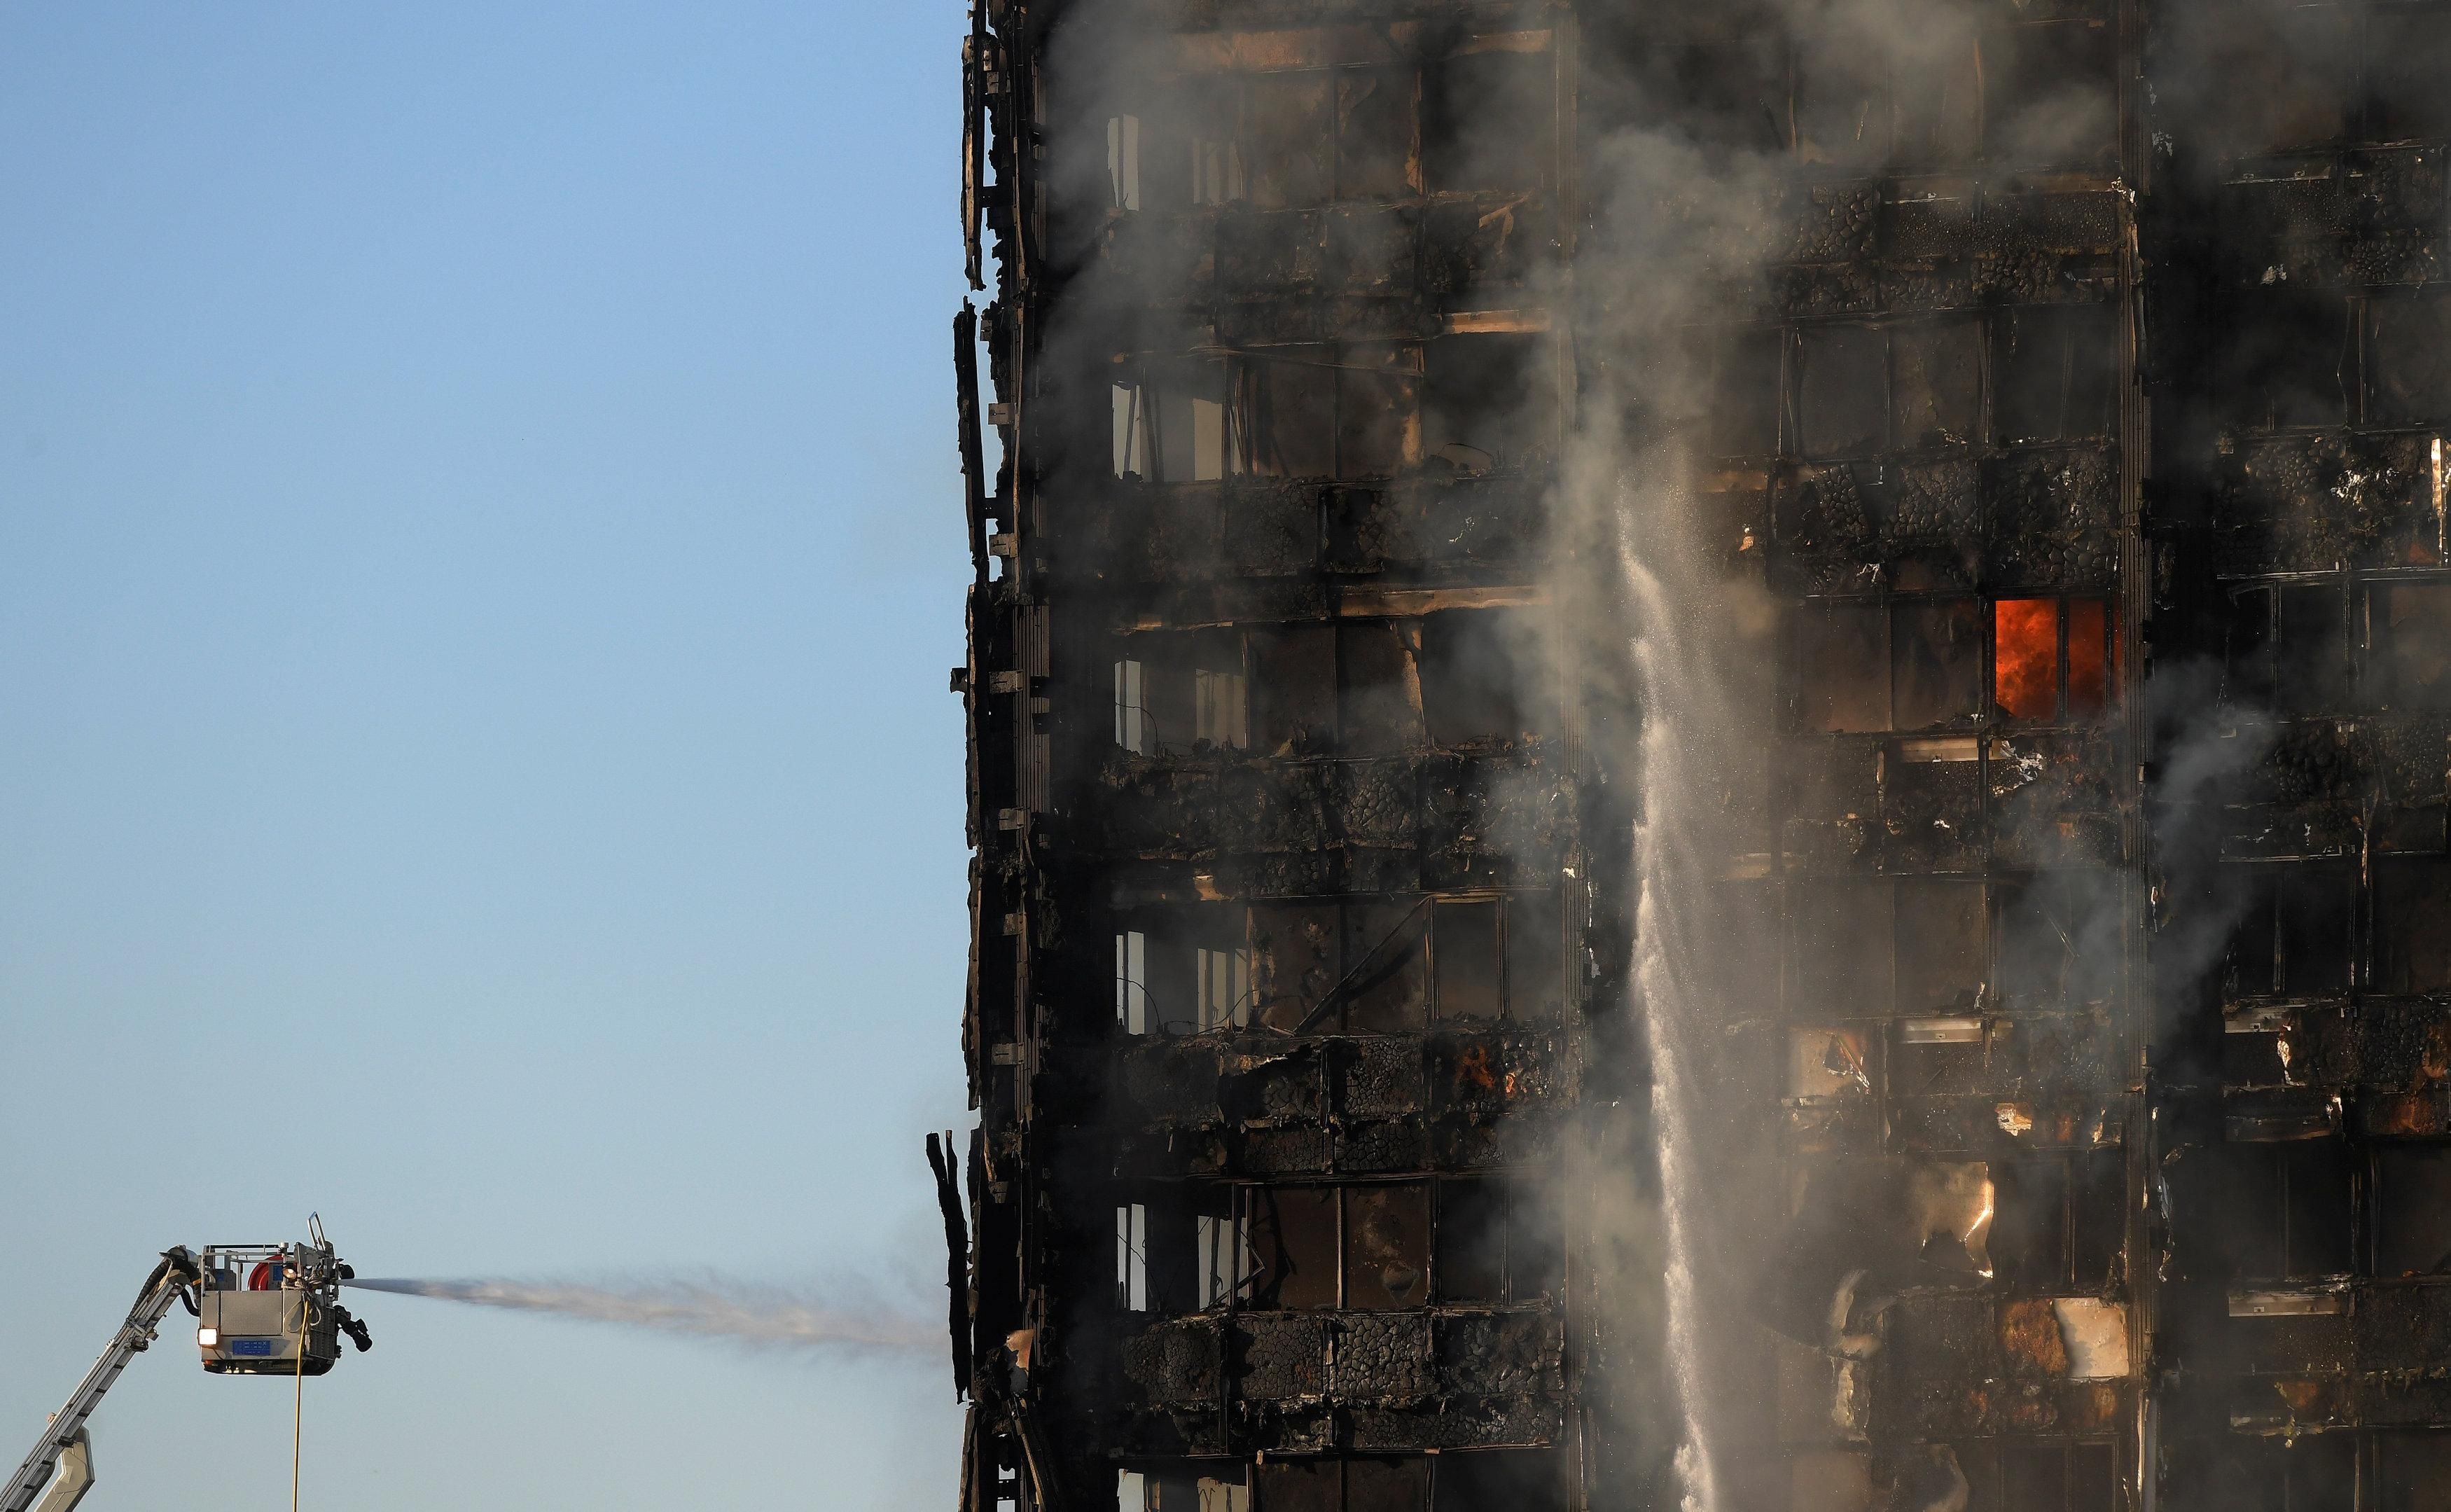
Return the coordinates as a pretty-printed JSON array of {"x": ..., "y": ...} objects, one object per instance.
[{"x": 479, "y": 562}]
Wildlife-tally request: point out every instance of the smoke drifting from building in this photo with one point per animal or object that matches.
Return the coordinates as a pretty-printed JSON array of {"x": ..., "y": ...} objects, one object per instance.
[{"x": 1707, "y": 757}]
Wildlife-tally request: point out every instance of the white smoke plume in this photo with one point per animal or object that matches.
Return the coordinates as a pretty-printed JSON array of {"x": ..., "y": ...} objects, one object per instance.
[{"x": 710, "y": 1307}]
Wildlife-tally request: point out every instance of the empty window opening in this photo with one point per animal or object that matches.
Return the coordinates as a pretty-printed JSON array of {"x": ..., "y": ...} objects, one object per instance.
[
  {"x": 1301, "y": 1486},
  {"x": 2408, "y": 343},
  {"x": 1841, "y": 98},
  {"x": 1176, "y": 421},
  {"x": 2057, "y": 367},
  {"x": 1124, "y": 161},
  {"x": 2288, "y": 1211},
  {"x": 1745, "y": 406},
  {"x": 1486, "y": 678},
  {"x": 1386, "y": 986},
  {"x": 1936, "y": 384},
  {"x": 1489, "y": 401},
  {"x": 1297, "y": 959},
  {"x": 2294, "y": 935},
  {"x": 2062, "y": 939},
  {"x": 1387, "y": 1246},
  {"x": 2288, "y": 648},
  {"x": 1225, "y": 1265},
  {"x": 1936, "y": 662},
  {"x": 2306, "y": 1472},
  {"x": 1181, "y": 691},
  {"x": 1185, "y": 970},
  {"x": 1216, "y": 169},
  {"x": 1373, "y": 134},
  {"x": 1386, "y": 1486},
  {"x": 2055, "y": 1478},
  {"x": 1830, "y": 1481},
  {"x": 1489, "y": 118},
  {"x": 1496, "y": 1241},
  {"x": 2294, "y": 357},
  {"x": 1911, "y": 665},
  {"x": 1218, "y": 707},
  {"x": 1130, "y": 416},
  {"x": 1132, "y": 981},
  {"x": 2412, "y": 926},
  {"x": 1293, "y": 393},
  {"x": 1293, "y": 1235},
  {"x": 1345, "y": 1485},
  {"x": 1182, "y": 1491},
  {"x": 1840, "y": 952},
  {"x": 2057, "y": 1227},
  {"x": 1293, "y": 690},
  {"x": 1517, "y": 1480},
  {"x": 1937, "y": 93},
  {"x": 1131, "y": 1257},
  {"x": 1373, "y": 966},
  {"x": 2050, "y": 95},
  {"x": 2410, "y": 631},
  {"x": 1941, "y": 944},
  {"x": 2413, "y": 1469},
  {"x": 1842, "y": 395},
  {"x": 1468, "y": 953},
  {"x": 1132, "y": 727},
  {"x": 1223, "y": 987},
  {"x": 1378, "y": 687},
  {"x": 1213, "y": 1495},
  {"x": 1536, "y": 947},
  {"x": 1289, "y": 142},
  {"x": 2412, "y": 1210}
]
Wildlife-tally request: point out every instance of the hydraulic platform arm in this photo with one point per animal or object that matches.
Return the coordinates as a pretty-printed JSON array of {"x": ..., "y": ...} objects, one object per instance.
[{"x": 175, "y": 1278}]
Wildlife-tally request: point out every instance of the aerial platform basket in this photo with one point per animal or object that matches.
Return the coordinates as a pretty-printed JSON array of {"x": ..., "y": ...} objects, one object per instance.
[{"x": 260, "y": 1309}]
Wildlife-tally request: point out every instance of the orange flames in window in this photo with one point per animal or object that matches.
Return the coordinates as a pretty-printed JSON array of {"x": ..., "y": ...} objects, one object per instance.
[{"x": 2026, "y": 656}]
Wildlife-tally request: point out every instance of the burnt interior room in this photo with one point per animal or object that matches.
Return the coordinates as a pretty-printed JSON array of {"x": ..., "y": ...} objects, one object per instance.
[{"x": 2047, "y": 397}]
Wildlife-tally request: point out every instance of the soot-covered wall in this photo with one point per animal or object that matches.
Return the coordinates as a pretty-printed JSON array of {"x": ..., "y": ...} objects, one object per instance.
[{"x": 1707, "y": 757}]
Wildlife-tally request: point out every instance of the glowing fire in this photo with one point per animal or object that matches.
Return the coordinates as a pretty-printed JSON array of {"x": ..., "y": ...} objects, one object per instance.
[{"x": 2024, "y": 679}]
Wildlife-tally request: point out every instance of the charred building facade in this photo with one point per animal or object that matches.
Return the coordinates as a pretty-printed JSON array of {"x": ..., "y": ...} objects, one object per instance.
[{"x": 1707, "y": 757}]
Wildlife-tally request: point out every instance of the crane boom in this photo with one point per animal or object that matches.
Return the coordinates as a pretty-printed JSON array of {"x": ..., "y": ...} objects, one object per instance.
[{"x": 173, "y": 1278}]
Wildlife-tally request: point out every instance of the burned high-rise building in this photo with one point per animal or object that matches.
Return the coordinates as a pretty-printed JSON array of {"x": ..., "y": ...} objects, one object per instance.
[{"x": 1707, "y": 757}]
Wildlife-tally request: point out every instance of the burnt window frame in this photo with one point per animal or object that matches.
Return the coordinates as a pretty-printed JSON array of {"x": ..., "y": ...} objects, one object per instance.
[
  {"x": 2371, "y": 646},
  {"x": 2063, "y": 716},
  {"x": 1246, "y": 419},
  {"x": 2066, "y": 324},
  {"x": 2083, "y": 1177},
  {"x": 2296, "y": 680},
  {"x": 1973, "y": 999},
  {"x": 1520, "y": 1211},
  {"x": 1522, "y": 914},
  {"x": 1166, "y": 941},
  {"x": 1167, "y": 665},
  {"x": 2270, "y": 887},
  {"x": 1540, "y": 42},
  {"x": 2371, "y": 1200},
  {"x": 1893, "y": 608},
  {"x": 1986, "y": 1464},
  {"x": 2347, "y": 1225}
]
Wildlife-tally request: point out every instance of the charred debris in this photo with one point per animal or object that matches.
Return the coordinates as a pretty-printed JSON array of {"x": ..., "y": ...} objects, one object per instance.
[{"x": 2071, "y": 415}]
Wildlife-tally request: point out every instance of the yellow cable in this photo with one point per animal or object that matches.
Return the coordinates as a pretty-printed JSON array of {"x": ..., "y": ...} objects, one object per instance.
[{"x": 297, "y": 1411}]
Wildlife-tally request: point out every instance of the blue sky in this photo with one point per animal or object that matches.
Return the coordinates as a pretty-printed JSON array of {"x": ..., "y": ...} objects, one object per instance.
[{"x": 479, "y": 562}]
